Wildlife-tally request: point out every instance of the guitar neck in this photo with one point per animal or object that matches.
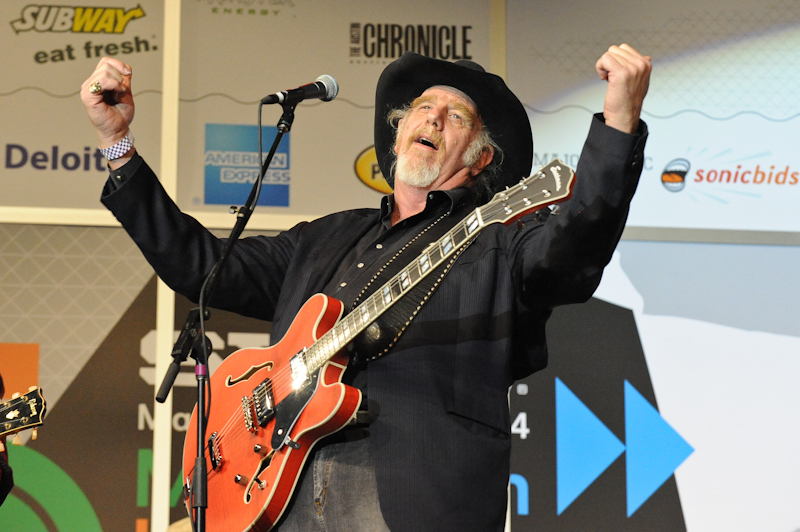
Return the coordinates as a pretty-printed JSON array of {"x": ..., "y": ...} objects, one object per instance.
[
  {"x": 549, "y": 185},
  {"x": 395, "y": 288}
]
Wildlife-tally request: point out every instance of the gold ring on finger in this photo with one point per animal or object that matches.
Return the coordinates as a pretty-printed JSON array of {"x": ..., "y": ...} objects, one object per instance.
[{"x": 95, "y": 88}]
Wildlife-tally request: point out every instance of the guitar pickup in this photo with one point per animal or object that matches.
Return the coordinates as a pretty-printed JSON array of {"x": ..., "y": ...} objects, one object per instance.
[
  {"x": 263, "y": 401},
  {"x": 299, "y": 370}
]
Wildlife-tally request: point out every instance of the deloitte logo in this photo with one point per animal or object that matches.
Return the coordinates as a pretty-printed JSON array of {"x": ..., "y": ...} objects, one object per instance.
[{"x": 585, "y": 448}]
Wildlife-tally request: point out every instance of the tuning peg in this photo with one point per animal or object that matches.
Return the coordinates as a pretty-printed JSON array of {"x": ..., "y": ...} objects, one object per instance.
[
  {"x": 31, "y": 388},
  {"x": 17, "y": 440},
  {"x": 2, "y": 447},
  {"x": 34, "y": 433},
  {"x": 15, "y": 395}
]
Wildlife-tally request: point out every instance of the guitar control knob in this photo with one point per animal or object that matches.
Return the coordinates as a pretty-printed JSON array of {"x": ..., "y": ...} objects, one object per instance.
[{"x": 240, "y": 479}]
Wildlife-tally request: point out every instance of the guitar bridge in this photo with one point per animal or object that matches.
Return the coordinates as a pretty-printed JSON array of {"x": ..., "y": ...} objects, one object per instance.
[
  {"x": 248, "y": 410},
  {"x": 214, "y": 453}
]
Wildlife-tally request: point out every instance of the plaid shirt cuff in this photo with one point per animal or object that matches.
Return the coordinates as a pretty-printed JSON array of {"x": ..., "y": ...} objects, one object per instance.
[{"x": 119, "y": 149}]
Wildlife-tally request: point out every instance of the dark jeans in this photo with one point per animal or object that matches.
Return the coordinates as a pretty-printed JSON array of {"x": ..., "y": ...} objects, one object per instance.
[{"x": 337, "y": 491}]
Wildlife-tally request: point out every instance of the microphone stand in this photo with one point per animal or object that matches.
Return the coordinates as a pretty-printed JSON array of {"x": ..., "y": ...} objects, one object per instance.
[{"x": 192, "y": 340}]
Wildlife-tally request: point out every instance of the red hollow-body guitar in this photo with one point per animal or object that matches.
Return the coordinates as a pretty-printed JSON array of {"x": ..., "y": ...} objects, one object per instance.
[{"x": 271, "y": 406}]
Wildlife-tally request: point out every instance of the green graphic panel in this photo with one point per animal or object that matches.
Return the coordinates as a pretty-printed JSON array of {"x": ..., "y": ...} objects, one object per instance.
[
  {"x": 15, "y": 515},
  {"x": 144, "y": 471},
  {"x": 53, "y": 489}
]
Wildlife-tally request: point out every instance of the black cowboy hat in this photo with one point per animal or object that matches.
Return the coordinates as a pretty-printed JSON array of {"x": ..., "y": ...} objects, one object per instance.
[{"x": 501, "y": 111}]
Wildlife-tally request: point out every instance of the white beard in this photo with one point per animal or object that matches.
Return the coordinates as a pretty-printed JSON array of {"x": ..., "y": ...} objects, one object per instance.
[{"x": 416, "y": 172}]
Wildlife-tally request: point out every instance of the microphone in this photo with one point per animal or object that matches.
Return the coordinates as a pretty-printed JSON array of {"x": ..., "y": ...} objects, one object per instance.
[{"x": 325, "y": 88}]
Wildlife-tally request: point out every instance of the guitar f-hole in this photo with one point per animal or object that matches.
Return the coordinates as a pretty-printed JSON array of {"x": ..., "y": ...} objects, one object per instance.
[
  {"x": 231, "y": 380},
  {"x": 255, "y": 481}
]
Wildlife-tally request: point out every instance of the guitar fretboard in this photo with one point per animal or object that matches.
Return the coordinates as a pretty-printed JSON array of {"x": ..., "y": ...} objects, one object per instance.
[
  {"x": 379, "y": 302},
  {"x": 546, "y": 186}
]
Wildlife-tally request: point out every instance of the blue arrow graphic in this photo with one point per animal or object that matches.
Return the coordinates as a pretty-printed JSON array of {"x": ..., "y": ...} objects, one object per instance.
[
  {"x": 523, "y": 499},
  {"x": 654, "y": 451},
  {"x": 584, "y": 446}
]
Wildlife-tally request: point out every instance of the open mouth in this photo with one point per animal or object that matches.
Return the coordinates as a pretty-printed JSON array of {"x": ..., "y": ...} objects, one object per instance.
[{"x": 427, "y": 142}]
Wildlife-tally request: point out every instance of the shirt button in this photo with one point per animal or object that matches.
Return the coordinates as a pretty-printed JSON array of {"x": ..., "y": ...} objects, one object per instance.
[
  {"x": 379, "y": 246},
  {"x": 360, "y": 265}
]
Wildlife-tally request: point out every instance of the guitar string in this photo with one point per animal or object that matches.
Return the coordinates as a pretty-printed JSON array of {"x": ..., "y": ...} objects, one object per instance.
[
  {"x": 334, "y": 338},
  {"x": 284, "y": 375},
  {"x": 280, "y": 379},
  {"x": 243, "y": 432},
  {"x": 460, "y": 248},
  {"x": 223, "y": 434},
  {"x": 366, "y": 287},
  {"x": 330, "y": 341}
]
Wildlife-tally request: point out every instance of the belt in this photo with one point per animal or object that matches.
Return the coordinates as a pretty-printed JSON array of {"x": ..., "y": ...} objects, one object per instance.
[
  {"x": 362, "y": 419},
  {"x": 357, "y": 429}
]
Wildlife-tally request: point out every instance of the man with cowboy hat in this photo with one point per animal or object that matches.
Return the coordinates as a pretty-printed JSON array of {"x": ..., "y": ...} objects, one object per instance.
[{"x": 433, "y": 450}]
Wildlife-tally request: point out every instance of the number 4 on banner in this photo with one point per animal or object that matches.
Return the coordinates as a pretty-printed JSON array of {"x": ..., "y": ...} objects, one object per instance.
[{"x": 520, "y": 425}]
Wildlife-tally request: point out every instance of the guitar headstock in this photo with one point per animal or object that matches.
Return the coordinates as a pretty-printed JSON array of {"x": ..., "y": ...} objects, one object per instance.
[
  {"x": 550, "y": 184},
  {"x": 22, "y": 412}
]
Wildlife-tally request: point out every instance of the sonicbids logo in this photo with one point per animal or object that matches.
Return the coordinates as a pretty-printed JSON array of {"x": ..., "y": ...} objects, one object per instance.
[
  {"x": 677, "y": 172},
  {"x": 748, "y": 176}
]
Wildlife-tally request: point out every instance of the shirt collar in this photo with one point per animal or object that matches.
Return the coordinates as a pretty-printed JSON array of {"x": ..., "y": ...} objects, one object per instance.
[{"x": 437, "y": 201}]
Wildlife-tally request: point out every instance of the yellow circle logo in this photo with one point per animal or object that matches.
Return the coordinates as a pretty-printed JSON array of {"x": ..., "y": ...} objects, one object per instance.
[{"x": 369, "y": 172}]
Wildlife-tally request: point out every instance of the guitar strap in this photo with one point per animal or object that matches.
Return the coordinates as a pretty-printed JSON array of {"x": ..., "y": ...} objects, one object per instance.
[{"x": 383, "y": 333}]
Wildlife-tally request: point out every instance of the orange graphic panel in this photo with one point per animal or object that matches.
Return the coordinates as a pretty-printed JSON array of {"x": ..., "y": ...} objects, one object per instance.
[{"x": 19, "y": 366}]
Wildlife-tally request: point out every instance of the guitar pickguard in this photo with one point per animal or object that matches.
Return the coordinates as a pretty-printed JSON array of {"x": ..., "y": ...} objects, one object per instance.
[{"x": 290, "y": 408}]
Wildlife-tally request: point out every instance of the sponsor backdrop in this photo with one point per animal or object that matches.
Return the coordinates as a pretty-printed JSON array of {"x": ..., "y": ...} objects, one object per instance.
[
  {"x": 669, "y": 400},
  {"x": 48, "y": 49},
  {"x": 288, "y": 43},
  {"x": 722, "y": 111},
  {"x": 716, "y": 323}
]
